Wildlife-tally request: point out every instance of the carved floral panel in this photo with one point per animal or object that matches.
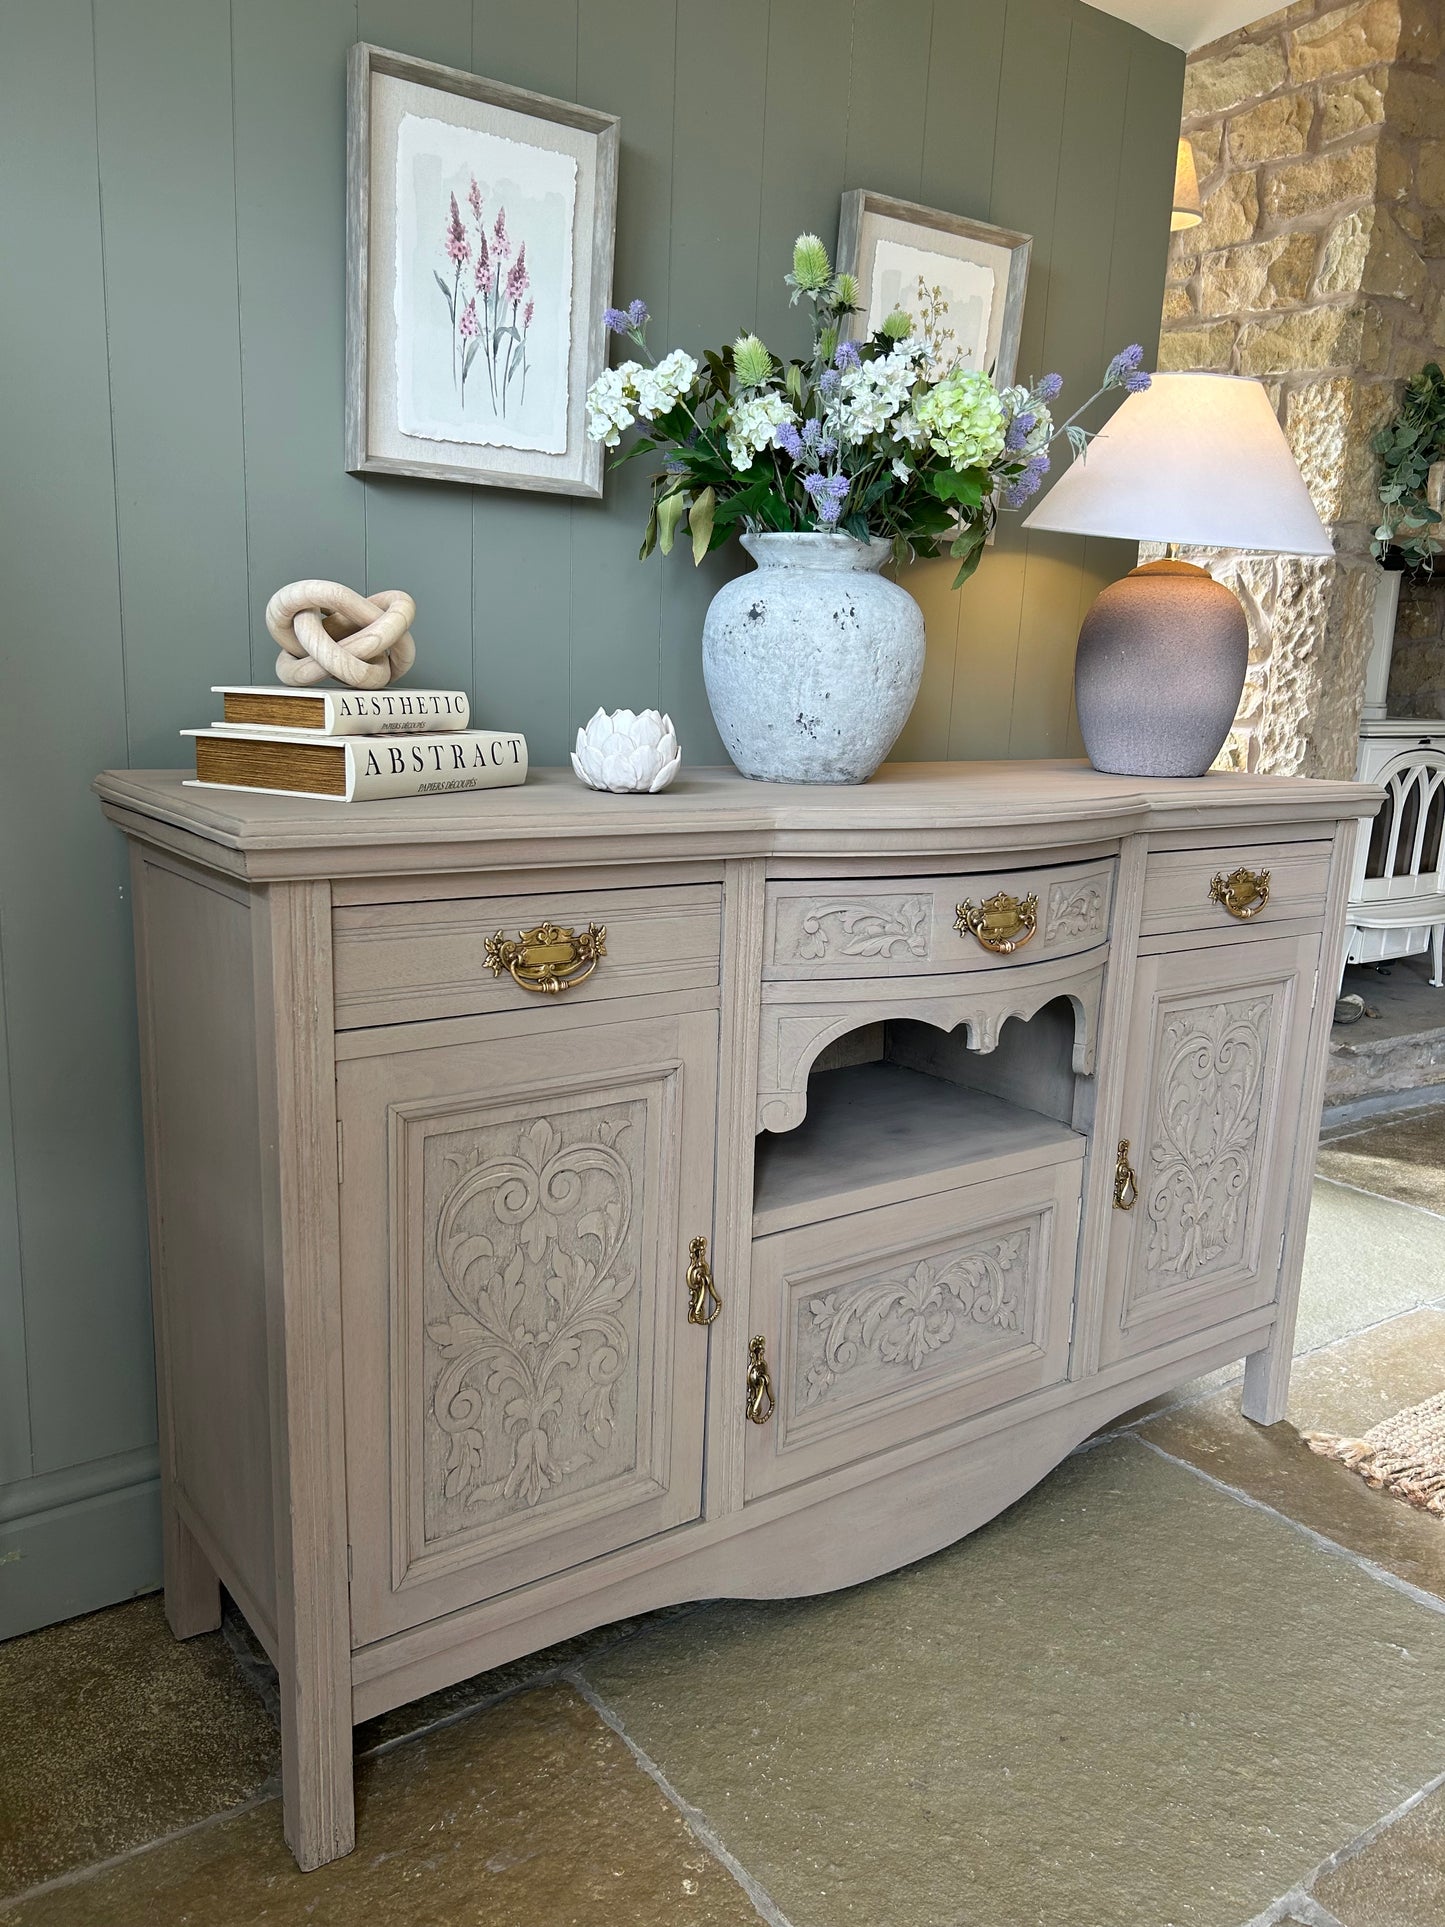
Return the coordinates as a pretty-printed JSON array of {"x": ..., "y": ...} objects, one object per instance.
[
  {"x": 1075, "y": 910},
  {"x": 1212, "y": 1059},
  {"x": 531, "y": 1230},
  {"x": 841, "y": 929},
  {"x": 925, "y": 1318}
]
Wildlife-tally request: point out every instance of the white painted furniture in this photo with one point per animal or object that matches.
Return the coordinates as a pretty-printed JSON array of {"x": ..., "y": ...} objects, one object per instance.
[{"x": 971, "y": 1107}]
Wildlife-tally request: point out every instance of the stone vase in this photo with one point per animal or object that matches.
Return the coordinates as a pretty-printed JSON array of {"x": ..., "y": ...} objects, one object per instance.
[{"x": 812, "y": 663}]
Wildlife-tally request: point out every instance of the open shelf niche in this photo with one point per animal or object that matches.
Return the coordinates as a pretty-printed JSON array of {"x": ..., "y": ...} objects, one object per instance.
[{"x": 899, "y": 1109}]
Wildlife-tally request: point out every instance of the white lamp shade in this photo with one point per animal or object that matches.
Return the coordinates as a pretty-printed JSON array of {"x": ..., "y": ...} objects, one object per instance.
[{"x": 1196, "y": 459}]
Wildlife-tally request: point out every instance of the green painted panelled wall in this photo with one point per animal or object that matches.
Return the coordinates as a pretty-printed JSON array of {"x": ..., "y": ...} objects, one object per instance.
[{"x": 170, "y": 438}]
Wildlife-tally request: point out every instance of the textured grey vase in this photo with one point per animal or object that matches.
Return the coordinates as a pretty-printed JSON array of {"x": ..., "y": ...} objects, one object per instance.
[
  {"x": 1160, "y": 669},
  {"x": 813, "y": 663}
]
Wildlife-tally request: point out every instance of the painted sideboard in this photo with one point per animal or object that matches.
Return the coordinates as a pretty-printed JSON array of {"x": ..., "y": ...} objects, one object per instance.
[{"x": 565, "y": 1204}]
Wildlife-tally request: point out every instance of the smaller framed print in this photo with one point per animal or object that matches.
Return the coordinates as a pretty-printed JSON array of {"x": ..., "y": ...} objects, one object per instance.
[
  {"x": 479, "y": 232},
  {"x": 962, "y": 281}
]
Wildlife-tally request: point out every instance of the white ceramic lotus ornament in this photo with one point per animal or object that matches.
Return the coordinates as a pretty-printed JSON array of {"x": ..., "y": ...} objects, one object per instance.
[{"x": 627, "y": 752}]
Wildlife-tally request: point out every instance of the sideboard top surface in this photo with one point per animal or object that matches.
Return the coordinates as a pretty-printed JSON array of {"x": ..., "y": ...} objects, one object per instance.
[{"x": 907, "y": 808}]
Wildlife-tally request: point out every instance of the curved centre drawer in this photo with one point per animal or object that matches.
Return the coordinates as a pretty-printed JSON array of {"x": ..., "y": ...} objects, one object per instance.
[{"x": 910, "y": 926}]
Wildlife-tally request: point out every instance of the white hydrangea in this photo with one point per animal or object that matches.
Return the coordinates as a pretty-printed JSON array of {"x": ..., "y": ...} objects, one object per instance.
[
  {"x": 750, "y": 428},
  {"x": 909, "y": 430},
  {"x": 874, "y": 393},
  {"x": 901, "y": 468},
  {"x": 611, "y": 401},
  {"x": 659, "y": 389}
]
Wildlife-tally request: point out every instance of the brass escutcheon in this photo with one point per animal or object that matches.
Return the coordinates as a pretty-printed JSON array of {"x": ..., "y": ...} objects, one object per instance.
[
  {"x": 549, "y": 958},
  {"x": 761, "y": 1404},
  {"x": 1244, "y": 893},
  {"x": 1003, "y": 924},
  {"x": 1126, "y": 1185},
  {"x": 703, "y": 1301}
]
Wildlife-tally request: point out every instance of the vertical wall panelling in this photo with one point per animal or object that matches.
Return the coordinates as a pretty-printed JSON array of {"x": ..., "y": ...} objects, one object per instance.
[
  {"x": 72, "y": 1091},
  {"x": 172, "y": 219},
  {"x": 419, "y": 534},
  {"x": 1073, "y": 342},
  {"x": 304, "y": 513},
  {"x": 163, "y": 104},
  {"x": 625, "y": 56}
]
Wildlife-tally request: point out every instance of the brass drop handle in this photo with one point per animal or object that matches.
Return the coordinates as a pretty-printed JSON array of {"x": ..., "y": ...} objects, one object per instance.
[
  {"x": 1126, "y": 1185},
  {"x": 760, "y": 1403},
  {"x": 703, "y": 1301},
  {"x": 1244, "y": 893},
  {"x": 1002, "y": 924},
  {"x": 549, "y": 958}
]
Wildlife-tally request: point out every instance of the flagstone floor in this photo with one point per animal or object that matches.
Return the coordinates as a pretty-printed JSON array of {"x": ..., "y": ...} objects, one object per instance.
[{"x": 1195, "y": 1679}]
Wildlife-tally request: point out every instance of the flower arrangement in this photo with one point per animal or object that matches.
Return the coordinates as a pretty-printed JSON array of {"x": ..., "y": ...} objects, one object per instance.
[
  {"x": 487, "y": 292},
  {"x": 1409, "y": 446},
  {"x": 883, "y": 437}
]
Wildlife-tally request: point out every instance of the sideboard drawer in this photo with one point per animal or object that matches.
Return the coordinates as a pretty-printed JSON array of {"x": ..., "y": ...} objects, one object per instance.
[
  {"x": 1181, "y": 892},
  {"x": 399, "y": 962},
  {"x": 908, "y": 926},
  {"x": 885, "y": 1325}
]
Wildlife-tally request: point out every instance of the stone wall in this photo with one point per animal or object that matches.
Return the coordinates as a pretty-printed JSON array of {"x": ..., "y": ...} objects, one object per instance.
[{"x": 1319, "y": 266}]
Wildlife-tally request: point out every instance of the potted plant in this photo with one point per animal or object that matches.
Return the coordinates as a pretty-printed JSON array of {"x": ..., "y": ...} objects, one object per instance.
[
  {"x": 1409, "y": 446},
  {"x": 867, "y": 452}
]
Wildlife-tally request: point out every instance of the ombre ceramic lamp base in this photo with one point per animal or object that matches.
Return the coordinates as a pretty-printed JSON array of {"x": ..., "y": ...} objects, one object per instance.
[{"x": 1160, "y": 670}]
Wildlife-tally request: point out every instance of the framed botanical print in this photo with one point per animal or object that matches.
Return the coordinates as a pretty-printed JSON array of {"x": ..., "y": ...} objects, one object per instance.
[
  {"x": 480, "y": 223},
  {"x": 962, "y": 281}
]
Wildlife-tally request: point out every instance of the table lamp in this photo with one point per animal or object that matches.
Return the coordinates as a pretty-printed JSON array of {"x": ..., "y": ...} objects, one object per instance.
[{"x": 1197, "y": 459}]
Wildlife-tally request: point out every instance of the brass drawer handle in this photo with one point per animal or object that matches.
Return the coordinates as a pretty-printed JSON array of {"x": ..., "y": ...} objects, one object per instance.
[
  {"x": 761, "y": 1404},
  {"x": 548, "y": 958},
  {"x": 1244, "y": 893},
  {"x": 1126, "y": 1185},
  {"x": 703, "y": 1301},
  {"x": 1003, "y": 924}
]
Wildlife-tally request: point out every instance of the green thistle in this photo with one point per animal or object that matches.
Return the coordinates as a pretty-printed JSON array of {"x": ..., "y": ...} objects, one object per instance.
[
  {"x": 846, "y": 293},
  {"x": 752, "y": 363},
  {"x": 898, "y": 325},
  {"x": 811, "y": 267}
]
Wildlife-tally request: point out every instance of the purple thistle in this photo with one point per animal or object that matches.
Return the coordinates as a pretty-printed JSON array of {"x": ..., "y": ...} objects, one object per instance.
[
  {"x": 828, "y": 381},
  {"x": 1028, "y": 483},
  {"x": 675, "y": 465},
  {"x": 616, "y": 320},
  {"x": 457, "y": 246},
  {"x": 501, "y": 240},
  {"x": 1124, "y": 364},
  {"x": 1049, "y": 387},
  {"x": 1019, "y": 430},
  {"x": 1137, "y": 382},
  {"x": 787, "y": 438},
  {"x": 637, "y": 315},
  {"x": 467, "y": 327},
  {"x": 474, "y": 199},
  {"x": 518, "y": 279},
  {"x": 827, "y": 494},
  {"x": 847, "y": 355}
]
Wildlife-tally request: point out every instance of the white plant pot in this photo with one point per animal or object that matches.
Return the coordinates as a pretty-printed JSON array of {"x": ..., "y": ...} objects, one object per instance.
[{"x": 812, "y": 663}]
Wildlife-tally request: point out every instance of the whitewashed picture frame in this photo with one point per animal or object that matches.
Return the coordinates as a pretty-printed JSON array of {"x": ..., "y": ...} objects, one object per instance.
[
  {"x": 981, "y": 270},
  {"x": 480, "y": 228}
]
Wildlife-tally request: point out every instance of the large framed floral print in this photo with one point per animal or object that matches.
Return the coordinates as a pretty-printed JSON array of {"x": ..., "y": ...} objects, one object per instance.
[
  {"x": 480, "y": 222},
  {"x": 962, "y": 282}
]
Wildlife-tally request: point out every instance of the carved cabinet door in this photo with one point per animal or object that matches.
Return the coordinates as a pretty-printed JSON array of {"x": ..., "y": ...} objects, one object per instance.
[
  {"x": 1216, "y": 1061},
  {"x": 523, "y": 1390}
]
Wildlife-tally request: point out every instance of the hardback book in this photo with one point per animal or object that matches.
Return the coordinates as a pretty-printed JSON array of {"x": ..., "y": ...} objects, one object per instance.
[
  {"x": 356, "y": 769},
  {"x": 341, "y": 712}
]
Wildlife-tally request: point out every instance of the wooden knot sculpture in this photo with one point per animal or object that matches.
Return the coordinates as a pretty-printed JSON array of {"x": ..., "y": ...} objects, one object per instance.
[{"x": 326, "y": 629}]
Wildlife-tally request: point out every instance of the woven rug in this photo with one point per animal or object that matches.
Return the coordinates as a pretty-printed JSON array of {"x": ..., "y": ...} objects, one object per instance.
[{"x": 1403, "y": 1455}]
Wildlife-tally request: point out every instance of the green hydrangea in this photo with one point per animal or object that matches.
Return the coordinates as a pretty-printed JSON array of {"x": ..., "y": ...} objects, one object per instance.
[{"x": 964, "y": 419}]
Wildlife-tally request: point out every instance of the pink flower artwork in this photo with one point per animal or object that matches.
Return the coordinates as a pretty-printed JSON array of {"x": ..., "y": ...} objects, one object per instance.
[{"x": 496, "y": 318}]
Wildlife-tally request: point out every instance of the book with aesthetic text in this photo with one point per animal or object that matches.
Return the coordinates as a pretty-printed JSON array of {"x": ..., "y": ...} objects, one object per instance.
[
  {"x": 341, "y": 712},
  {"x": 356, "y": 769}
]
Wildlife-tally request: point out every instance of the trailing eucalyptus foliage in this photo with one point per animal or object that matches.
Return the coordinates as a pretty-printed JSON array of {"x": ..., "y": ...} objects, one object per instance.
[{"x": 1409, "y": 446}]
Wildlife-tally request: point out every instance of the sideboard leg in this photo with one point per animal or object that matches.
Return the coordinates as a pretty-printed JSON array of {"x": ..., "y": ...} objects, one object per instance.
[
  {"x": 1266, "y": 1377},
  {"x": 317, "y": 1804},
  {"x": 193, "y": 1592}
]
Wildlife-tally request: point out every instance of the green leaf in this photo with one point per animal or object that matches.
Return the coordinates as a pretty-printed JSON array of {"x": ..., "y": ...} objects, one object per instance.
[
  {"x": 793, "y": 382},
  {"x": 967, "y": 487},
  {"x": 649, "y": 535},
  {"x": 670, "y": 511},
  {"x": 700, "y": 520},
  {"x": 451, "y": 309}
]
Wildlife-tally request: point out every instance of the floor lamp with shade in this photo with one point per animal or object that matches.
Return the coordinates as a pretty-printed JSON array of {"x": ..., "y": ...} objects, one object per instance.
[{"x": 1197, "y": 459}]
